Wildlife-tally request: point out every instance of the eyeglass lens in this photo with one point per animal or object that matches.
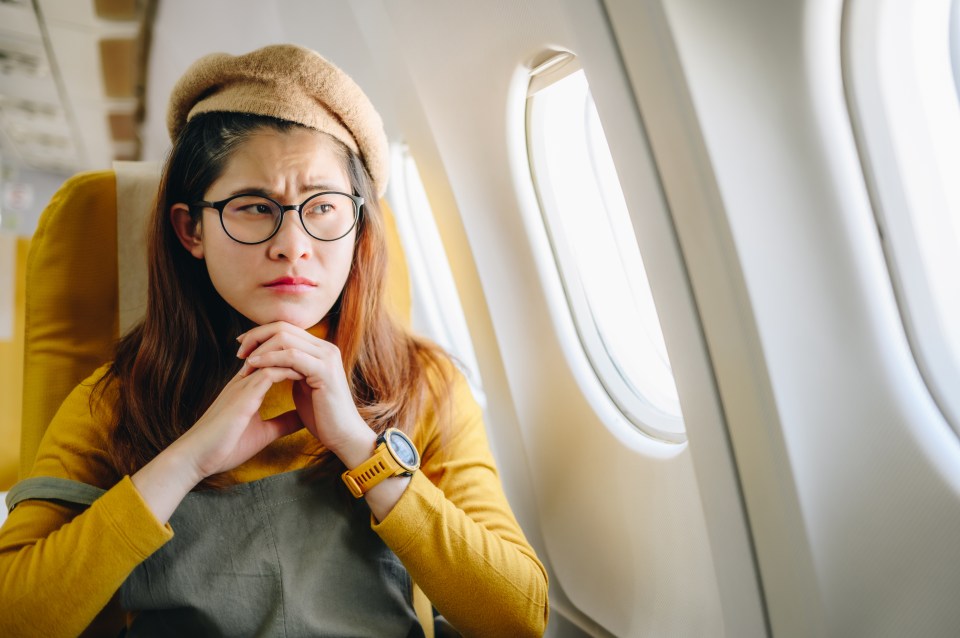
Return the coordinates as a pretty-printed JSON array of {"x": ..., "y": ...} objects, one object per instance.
[{"x": 251, "y": 218}]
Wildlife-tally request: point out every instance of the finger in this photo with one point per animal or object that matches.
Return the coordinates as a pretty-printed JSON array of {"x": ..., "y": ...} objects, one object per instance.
[
  {"x": 286, "y": 423},
  {"x": 257, "y": 363},
  {"x": 287, "y": 341},
  {"x": 252, "y": 338},
  {"x": 263, "y": 378},
  {"x": 260, "y": 433},
  {"x": 255, "y": 337},
  {"x": 296, "y": 360},
  {"x": 258, "y": 328},
  {"x": 240, "y": 375}
]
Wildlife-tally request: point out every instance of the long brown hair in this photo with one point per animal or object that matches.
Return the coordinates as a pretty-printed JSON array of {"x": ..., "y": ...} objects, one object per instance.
[{"x": 170, "y": 367}]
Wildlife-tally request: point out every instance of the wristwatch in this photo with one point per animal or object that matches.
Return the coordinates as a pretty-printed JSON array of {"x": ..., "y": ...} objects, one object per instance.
[{"x": 394, "y": 455}]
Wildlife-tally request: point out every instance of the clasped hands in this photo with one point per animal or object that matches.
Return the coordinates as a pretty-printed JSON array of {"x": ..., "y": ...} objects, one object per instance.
[{"x": 231, "y": 431}]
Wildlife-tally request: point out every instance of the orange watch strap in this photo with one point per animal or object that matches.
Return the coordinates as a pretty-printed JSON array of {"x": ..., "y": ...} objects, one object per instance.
[{"x": 365, "y": 476}]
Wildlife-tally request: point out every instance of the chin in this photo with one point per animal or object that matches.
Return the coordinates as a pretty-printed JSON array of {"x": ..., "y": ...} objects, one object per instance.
[{"x": 295, "y": 319}]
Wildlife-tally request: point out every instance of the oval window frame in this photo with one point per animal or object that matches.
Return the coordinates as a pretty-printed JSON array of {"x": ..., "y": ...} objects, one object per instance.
[{"x": 630, "y": 400}]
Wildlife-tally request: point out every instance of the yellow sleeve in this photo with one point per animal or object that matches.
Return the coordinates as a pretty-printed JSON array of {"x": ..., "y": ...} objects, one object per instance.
[
  {"x": 59, "y": 567},
  {"x": 455, "y": 533}
]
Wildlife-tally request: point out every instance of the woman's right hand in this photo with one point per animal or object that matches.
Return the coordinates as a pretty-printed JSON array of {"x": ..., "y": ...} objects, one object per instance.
[{"x": 229, "y": 433}]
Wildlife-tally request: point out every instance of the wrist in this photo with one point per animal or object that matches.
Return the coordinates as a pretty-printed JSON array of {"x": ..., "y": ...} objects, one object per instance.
[
  {"x": 395, "y": 456},
  {"x": 179, "y": 470},
  {"x": 165, "y": 481},
  {"x": 356, "y": 448}
]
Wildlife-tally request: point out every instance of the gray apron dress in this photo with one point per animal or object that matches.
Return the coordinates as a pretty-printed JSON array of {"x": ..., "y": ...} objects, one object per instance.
[{"x": 287, "y": 555}]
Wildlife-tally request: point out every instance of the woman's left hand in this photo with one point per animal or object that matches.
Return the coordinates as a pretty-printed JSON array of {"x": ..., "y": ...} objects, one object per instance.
[{"x": 323, "y": 398}]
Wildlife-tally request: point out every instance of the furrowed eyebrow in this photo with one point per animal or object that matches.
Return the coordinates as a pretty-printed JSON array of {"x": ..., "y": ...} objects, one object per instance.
[
  {"x": 251, "y": 191},
  {"x": 305, "y": 191},
  {"x": 318, "y": 188}
]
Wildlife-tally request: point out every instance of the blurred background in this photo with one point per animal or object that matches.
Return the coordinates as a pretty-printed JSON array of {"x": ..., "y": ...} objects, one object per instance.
[{"x": 71, "y": 78}]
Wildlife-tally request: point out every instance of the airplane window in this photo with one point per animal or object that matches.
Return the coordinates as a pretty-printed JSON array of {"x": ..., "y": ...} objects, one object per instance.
[
  {"x": 594, "y": 243},
  {"x": 436, "y": 310},
  {"x": 902, "y": 68}
]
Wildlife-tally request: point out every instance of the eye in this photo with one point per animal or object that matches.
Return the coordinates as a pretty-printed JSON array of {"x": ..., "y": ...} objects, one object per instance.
[
  {"x": 321, "y": 207},
  {"x": 250, "y": 206},
  {"x": 255, "y": 209}
]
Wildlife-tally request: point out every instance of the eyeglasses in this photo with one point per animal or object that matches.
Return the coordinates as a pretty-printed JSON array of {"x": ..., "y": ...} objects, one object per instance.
[{"x": 253, "y": 219}]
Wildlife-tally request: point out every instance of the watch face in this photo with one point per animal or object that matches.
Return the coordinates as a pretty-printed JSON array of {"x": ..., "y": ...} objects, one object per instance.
[{"x": 403, "y": 449}]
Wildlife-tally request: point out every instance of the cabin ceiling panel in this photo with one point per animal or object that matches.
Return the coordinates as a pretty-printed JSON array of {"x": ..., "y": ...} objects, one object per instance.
[
  {"x": 79, "y": 13},
  {"x": 22, "y": 56},
  {"x": 19, "y": 19},
  {"x": 66, "y": 68},
  {"x": 35, "y": 89},
  {"x": 77, "y": 52},
  {"x": 29, "y": 102}
]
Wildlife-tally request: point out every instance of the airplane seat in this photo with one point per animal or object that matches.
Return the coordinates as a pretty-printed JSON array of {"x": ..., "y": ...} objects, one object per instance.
[
  {"x": 71, "y": 300},
  {"x": 86, "y": 285}
]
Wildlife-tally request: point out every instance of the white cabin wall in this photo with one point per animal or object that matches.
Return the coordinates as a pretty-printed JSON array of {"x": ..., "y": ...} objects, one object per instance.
[{"x": 867, "y": 471}]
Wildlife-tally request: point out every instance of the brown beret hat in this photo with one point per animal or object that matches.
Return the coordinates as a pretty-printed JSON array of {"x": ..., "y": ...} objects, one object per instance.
[{"x": 287, "y": 82}]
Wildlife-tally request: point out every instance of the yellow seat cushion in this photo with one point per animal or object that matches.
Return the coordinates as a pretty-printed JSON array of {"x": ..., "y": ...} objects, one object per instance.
[
  {"x": 11, "y": 370},
  {"x": 71, "y": 304}
]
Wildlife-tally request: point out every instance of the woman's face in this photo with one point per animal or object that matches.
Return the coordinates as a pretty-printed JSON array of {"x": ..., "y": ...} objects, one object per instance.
[{"x": 291, "y": 277}]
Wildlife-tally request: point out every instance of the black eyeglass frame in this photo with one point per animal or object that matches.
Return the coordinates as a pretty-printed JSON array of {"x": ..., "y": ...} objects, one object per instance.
[{"x": 220, "y": 205}]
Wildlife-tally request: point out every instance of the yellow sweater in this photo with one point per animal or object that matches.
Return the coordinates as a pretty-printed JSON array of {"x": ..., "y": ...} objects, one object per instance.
[{"x": 61, "y": 565}]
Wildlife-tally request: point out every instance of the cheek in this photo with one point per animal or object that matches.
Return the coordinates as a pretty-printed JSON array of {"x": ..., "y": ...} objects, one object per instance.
[
  {"x": 225, "y": 267},
  {"x": 344, "y": 261},
  {"x": 338, "y": 267}
]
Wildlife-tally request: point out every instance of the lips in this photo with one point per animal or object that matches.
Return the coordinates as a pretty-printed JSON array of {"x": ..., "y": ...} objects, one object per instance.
[
  {"x": 291, "y": 281},
  {"x": 291, "y": 285}
]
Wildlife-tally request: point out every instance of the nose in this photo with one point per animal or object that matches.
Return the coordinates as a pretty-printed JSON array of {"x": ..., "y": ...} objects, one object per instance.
[{"x": 291, "y": 241}]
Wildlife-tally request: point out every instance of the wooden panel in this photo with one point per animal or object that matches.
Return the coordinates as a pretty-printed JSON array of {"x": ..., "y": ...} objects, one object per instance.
[
  {"x": 116, "y": 9},
  {"x": 118, "y": 62},
  {"x": 122, "y": 126}
]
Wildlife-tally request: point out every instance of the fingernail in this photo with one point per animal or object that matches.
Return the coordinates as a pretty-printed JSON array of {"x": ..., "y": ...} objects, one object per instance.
[
  {"x": 239, "y": 350},
  {"x": 254, "y": 359}
]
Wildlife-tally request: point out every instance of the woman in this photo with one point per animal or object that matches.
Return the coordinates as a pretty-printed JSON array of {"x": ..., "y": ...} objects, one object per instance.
[{"x": 310, "y": 456}]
